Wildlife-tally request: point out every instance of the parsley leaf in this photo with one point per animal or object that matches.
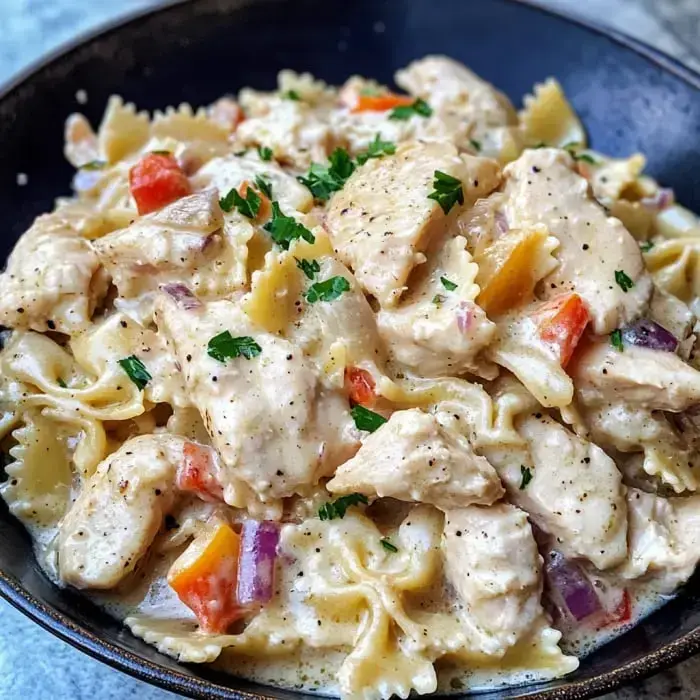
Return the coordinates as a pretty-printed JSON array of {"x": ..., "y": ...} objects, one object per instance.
[
  {"x": 623, "y": 280},
  {"x": 328, "y": 290},
  {"x": 265, "y": 153},
  {"x": 338, "y": 508},
  {"x": 388, "y": 546},
  {"x": 265, "y": 186},
  {"x": 308, "y": 267},
  {"x": 284, "y": 229},
  {"x": 366, "y": 419},
  {"x": 525, "y": 476},
  {"x": 136, "y": 370},
  {"x": 291, "y": 95},
  {"x": 323, "y": 180},
  {"x": 448, "y": 191},
  {"x": 161, "y": 153},
  {"x": 377, "y": 149},
  {"x": 646, "y": 246},
  {"x": 61, "y": 383},
  {"x": 447, "y": 284},
  {"x": 249, "y": 207},
  {"x": 94, "y": 165},
  {"x": 616, "y": 340},
  {"x": 224, "y": 346},
  {"x": 419, "y": 107},
  {"x": 584, "y": 157},
  {"x": 438, "y": 299},
  {"x": 476, "y": 145}
]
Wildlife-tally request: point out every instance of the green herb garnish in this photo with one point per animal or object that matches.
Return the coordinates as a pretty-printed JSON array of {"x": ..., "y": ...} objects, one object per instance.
[
  {"x": 366, "y": 419},
  {"x": 61, "y": 383},
  {"x": 476, "y": 145},
  {"x": 136, "y": 371},
  {"x": 584, "y": 157},
  {"x": 616, "y": 340},
  {"x": 438, "y": 299},
  {"x": 419, "y": 107},
  {"x": 224, "y": 346},
  {"x": 265, "y": 186},
  {"x": 447, "y": 284},
  {"x": 646, "y": 246},
  {"x": 94, "y": 165},
  {"x": 448, "y": 191},
  {"x": 291, "y": 95},
  {"x": 249, "y": 207},
  {"x": 377, "y": 149},
  {"x": 525, "y": 476},
  {"x": 265, "y": 153},
  {"x": 161, "y": 153},
  {"x": 338, "y": 508},
  {"x": 308, "y": 267},
  {"x": 284, "y": 229},
  {"x": 328, "y": 290},
  {"x": 323, "y": 180},
  {"x": 388, "y": 546},
  {"x": 623, "y": 280}
]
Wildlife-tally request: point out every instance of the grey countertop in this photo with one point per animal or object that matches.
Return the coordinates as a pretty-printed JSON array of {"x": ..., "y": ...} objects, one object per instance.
[{"x": 35, "y": 665}]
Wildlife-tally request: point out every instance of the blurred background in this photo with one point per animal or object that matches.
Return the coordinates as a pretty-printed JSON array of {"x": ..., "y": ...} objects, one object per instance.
[{"x": 36, "y": 666}]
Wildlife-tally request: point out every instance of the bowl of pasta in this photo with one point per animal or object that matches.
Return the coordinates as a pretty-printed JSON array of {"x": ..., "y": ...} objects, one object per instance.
[{"x": 346, "y": 352}]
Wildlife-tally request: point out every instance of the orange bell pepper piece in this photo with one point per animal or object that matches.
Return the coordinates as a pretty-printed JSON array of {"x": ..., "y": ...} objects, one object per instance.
[
  {"x": 360, "y": 386},
  {"x": 381, "y": 103},
  {"x": 195, "y": 474},
  {"x": 561, "y": 323},
  {"x": 157, "y": 180}
]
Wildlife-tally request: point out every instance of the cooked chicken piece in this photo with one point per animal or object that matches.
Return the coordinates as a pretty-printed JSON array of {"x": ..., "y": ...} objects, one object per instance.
[
  {"x": 53, "y": 279},
  {"x": 492, "y": 561},
  {"x": 231, "y": 171},
  {"x": 188, "y": 241},
  {"x": 382, "y": 220},
  {"x": 413, "y": 458},
  {"x": 541, "y": 187},
  {"x": 119, "y": 511},
  {"x": 664, "y": 539},
  {"x": 575, "y": 492},
  {"x": 277, "y": 429},
  {"x": 437, "y": 330},
  {"x": 642, "y": 377}
]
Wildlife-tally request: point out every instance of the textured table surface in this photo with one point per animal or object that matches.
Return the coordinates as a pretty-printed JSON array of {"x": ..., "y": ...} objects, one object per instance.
[{"x": 36, "y": 666}]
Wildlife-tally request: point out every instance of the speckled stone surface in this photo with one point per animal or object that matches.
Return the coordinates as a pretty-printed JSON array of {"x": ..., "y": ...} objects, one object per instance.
[{"x": 34, "y": 665}]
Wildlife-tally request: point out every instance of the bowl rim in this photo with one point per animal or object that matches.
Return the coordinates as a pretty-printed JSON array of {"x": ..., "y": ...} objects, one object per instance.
[{"x": 61, "y": 626}]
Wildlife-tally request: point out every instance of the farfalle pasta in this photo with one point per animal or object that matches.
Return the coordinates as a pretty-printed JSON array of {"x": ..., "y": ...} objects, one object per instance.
[{"x": 345, "y": 389}]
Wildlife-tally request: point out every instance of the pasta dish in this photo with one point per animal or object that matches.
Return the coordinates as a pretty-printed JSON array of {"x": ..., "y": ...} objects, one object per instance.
[{"x": 355, "y": 390}]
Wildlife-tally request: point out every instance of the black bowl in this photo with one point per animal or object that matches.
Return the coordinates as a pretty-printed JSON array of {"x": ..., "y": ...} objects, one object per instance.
[{"x": 629, "y": 97}]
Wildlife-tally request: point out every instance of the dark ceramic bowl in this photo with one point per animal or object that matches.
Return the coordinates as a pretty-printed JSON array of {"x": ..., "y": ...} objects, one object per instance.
[{"x": 629, "y": 97}]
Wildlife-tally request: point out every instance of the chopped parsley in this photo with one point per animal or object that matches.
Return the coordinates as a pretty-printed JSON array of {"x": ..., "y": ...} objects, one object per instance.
[
  {"x": 136, "y": 371},
  {"x": 419, "y": 107},
  {"x": 448, "y": 191},
  {"x": 224, "y": 346},
  {"x": 584, "y": 157},
  {"x": 323, "y": 180},
  {"x": 366, "y": 419},
  {"x": 308, "y": 267},
  {"x": 377, "y": 149},
  {"x": 265, "y": 186},
  {"x": 284, "y": 229},
  {"x": 447, "y": 284},
  {"x": 161, "y": 153},
  {"x": 338, "y": 508},
  {"x": 61, "y": 383},
  {"x": 616, "y": 340},
  {"x": 291, "y": 95},
  {"x": 623, "y": 280},
  {"x": 646, "y": 246},
  {"x": 249, "y": 207},
  {"x": 94, "y": 165},
  {"x": 265, "y": 153},
  {"x": 525, "y": 476},
  {"x": 438, "y": 299},
  {"x": 476, "y": 145},
  {"x": 388, "y": 546},
  {"x": 328, "y": 290}
]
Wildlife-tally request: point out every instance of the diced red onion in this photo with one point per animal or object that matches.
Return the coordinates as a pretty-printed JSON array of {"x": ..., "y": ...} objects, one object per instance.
[
  {"x": 182, "y": 295},
  {"x": 256, "y": 562},
  {"x": 663, "y": 199},
  {"x": 568, "y": 582},
  {"x": 649, "y": 334},
  {"x": 465, "y": 316}
]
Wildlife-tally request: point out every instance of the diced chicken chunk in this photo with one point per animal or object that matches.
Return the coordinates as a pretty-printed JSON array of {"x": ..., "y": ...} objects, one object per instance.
[
  {"x": 53, "y": 279},
  {"x": 541, "y": 187},
  {"x": 277, "y": 429},
  {"x": 382, "y": 220},
  {"x": 492, "y": 561},
  {"x": 575, "y": 493},
  {"x": 413, "y": 458},
  {"x": 118, "y": 513},
  {"x": 664, "y": 539},
  {"x": 640, "y": 376}
]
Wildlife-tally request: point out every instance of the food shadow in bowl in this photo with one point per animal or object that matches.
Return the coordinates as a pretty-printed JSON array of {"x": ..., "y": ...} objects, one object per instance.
[{"x": 629, "y": 99}]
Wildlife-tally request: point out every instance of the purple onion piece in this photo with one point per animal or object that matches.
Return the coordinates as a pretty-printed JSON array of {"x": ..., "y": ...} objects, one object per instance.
[
  {"x": 256, "y": 562},
  {"x": 649, "y": 334},
  {"x": 568, "y": 583},
  {"x": 182, "y": 295},
  {"x": 663, "y": 199}
]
